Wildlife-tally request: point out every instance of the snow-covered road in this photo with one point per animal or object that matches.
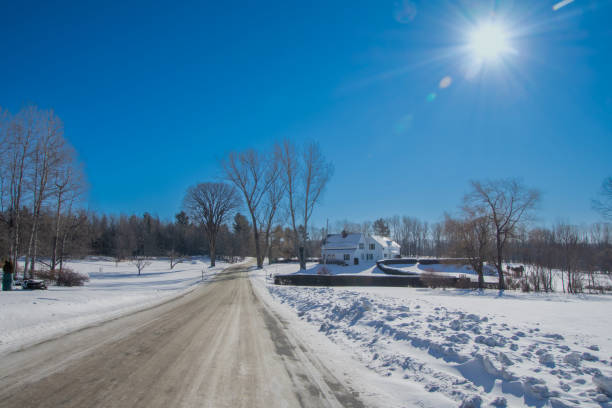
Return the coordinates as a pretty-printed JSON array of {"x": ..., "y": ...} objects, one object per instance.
[{"x": 217, "y": 346}]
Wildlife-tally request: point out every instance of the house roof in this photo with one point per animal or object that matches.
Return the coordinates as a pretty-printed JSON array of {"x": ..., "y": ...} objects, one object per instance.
[
  {"x": 351, "y": 241},
  {"x": 385, "y": 241},
  {"x": 337, "y": 241},
  {"x": 339, "y": 251}
]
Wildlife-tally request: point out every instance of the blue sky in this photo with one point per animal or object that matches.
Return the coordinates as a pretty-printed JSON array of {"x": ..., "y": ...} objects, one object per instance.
[{"x": 154, "y": 93}]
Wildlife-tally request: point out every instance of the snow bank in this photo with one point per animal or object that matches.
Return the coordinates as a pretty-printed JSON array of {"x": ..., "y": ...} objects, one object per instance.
[
  {"x": 518, "y": 349},
  {"x": 114, "y": 289}
]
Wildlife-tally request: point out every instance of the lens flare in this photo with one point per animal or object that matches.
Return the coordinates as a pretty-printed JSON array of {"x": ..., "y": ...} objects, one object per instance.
[
  {"x": 445, "y": 82},
  {"x": 404, "y": 11},
  {"x": 562, "y": 4},
  {"x": 404, "y": 124},
  {"x": 489, "y": 41}
]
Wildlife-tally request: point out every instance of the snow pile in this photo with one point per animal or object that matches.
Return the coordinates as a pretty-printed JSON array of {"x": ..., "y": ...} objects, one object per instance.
[
  {"x": 114, "y": 289},
  {"x": 439, "y": 340}
]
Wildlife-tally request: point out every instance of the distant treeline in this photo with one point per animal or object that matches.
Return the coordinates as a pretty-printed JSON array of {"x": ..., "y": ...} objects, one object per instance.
[
  {"x": 43, "y": 221},
  {"x": 589, "y": 246},
  {"x": 124, "y": 237},
  {"x": 262, "y": 207},
  {"x": 578, "y": 252}
]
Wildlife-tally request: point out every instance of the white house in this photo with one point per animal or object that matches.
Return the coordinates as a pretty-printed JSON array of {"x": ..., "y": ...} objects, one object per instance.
[{"x": 358, "y": 248}]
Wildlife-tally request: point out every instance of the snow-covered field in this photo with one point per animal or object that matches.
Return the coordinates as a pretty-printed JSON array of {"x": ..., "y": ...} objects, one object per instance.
[
  {"x": 450, "y": 347},
  {"x": 28, "y": 317}
]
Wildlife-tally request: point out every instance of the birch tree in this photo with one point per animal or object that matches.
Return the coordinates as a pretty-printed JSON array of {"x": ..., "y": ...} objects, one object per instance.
[
  {"x": 49, "y": 148},
  {"x": 31, "y": 152},
  {"x": 18, "y": 138}
]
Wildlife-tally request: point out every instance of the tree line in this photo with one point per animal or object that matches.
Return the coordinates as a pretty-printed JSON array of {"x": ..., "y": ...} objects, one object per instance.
[
  {"x": 262, "y": 207},
  {"x": 494, "y": 225},
  {"x": 276, "y": 187},
  {"x": 41, "y": 186}
]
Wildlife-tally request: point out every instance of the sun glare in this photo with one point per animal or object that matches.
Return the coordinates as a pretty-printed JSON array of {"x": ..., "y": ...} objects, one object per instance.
[{"x": 489, "y": 41}]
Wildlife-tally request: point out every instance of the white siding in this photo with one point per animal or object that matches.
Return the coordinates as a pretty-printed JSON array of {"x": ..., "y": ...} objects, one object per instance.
[{"x": 361, "y": 249}]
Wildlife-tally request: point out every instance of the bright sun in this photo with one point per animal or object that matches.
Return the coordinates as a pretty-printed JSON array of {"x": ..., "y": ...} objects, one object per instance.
[{"x": 489, "y": 41}]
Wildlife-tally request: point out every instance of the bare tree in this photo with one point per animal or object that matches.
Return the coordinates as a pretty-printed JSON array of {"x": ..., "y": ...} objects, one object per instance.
[
  {"x": 568, "y": 239},
  {"x": 5, "y": 124},
  {"x": 175, "y": 235},
  {"x": 140, "y": 262},
  {"x": 543, "y": 257},
  {"x": 437, "y": 231},
  {"x": 47, "y": 158},
  {"x": 19, "y": 134},
  {"x": 270, "y": 209},
  {"x": 73, "y": 223},
  {"x": 365, "y": 228},
  {"x": 253, "y": 174},
  {"x": 472, "y": 240},
  {"x": 305, "y": 173},
  {"x": 394, "y": 225},
  {"x": 506, "y": 204},
  {"x": 67, "y": 187},
  {"x": 211, "y": 204},
  {"x": 604, "y": 203},
  {"x": 175, "y": 258}
]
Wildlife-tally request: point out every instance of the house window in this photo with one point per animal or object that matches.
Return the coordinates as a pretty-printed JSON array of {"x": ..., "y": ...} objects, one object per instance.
[
  {"x": 369, "y": 257},
  {"x": 361, "y": 246},
  {"x": 362, "y": 257},
  {"x": 372, "y": 247},
  {"x": 347, "y": 257}
]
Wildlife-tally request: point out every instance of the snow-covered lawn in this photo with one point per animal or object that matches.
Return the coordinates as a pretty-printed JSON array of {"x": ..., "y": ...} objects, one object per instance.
[
  {"x": 460, "y": 345},
  {"x": 27, "y": 317}
]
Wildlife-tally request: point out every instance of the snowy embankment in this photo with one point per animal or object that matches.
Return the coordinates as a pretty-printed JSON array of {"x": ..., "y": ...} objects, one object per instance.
[
  {"x": 114, "y": 289},
  {"x": 514, "y": 350}
]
